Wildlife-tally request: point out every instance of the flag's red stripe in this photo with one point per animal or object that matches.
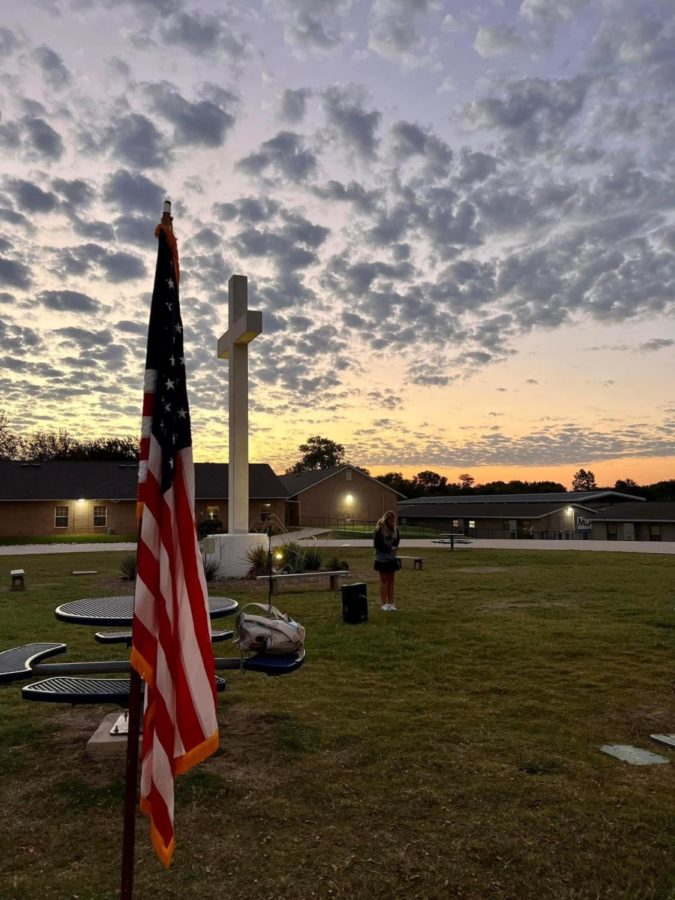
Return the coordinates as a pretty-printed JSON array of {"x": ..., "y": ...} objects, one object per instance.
[
  {"x": 152, "y": 496},
  {"x": 193, "y": 567}
]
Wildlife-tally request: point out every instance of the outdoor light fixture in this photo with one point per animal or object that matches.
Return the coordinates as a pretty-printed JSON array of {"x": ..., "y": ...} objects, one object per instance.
[
  {"x": 81, "y": 500},
  {"x": 349, "y": 498},
  {"x": 570, "y": 510}
]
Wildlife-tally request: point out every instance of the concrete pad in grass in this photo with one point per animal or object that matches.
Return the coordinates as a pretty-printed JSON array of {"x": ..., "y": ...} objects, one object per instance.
[{"x": 633, "y": 755}]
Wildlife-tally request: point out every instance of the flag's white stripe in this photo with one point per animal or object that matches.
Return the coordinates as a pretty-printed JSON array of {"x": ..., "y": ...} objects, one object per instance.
[
  {"x": 155, "y": 458},
  {"x": 150, "y": 381},
  {"x": 146, "y": 426},
  {"x": 144, "y": 607},
  {"x": 162, "y": 774},
  {"x": 164, "y": 685},
  {"x": 201, "y": 689}
]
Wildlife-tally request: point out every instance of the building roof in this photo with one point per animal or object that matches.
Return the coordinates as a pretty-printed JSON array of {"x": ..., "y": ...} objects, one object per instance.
[
  {"x": 560, "y": 497},
  {"x": 72, "y": 479},
  {"x": 296, "y": 483},
  {"x": 484, "y": 510},
  {"x": 654, "y": 511}
]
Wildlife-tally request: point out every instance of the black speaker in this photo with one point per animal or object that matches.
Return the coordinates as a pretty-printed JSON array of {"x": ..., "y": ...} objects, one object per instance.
[{"x": 354, "y": 603}]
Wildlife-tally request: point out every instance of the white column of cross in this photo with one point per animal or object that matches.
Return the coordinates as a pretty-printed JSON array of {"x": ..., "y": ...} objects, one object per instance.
[{"x": 243, "y": 325}]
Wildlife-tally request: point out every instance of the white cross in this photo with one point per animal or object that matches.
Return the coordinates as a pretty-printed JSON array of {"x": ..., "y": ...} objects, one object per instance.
[{"x": 244, "y": 325}]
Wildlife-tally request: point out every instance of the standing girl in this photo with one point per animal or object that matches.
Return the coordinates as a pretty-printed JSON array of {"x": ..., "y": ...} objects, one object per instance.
[{"x": 386, "y": 540}]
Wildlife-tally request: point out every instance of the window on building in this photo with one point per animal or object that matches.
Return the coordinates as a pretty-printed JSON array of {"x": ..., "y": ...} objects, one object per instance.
[
  {"x": 265, "y": 514},
  {"x": 60, "y": 517},
  {"x": 455, "y": 523},
  {"x": 212, "y": 512},
  {"x": 612, "y": 531},
  {"x": 472, "y": 523},
  {"x": 348, "y": 475},
  {"x": 100, "y": 515},
  {"x": 654, "y": 531}
]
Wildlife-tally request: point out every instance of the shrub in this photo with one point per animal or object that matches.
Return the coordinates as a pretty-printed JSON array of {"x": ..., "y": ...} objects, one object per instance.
[
  {"x": 293, "y": 557},
  {"x": 312, "y": 559},
  {"x": 207, "y": 527},
  {"x": 256, "y": 557},
  {"x": 128, "y": 568},
  {"x": 334, "y": 564},
  {"x": 211, "y": 566}
]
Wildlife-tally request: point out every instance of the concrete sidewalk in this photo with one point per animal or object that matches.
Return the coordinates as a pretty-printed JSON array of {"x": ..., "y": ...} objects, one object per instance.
[
  {"x": 508, "y": 544},
  {"x": 309, "y": 535},
  {"x": 40, "y": 549}
]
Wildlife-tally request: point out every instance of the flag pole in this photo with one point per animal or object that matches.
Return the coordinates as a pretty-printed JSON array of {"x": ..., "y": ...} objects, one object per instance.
[
  {"x": 133, "y": 736},
  {"x": 269, "y": 566},
  {"x": 131, "y": 787}
]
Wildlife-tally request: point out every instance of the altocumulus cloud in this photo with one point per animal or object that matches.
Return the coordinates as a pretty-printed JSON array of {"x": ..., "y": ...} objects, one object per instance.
[{"x": 68, "y": 301}]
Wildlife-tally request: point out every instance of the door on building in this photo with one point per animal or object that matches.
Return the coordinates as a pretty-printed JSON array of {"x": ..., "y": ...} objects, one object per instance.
[{"x": 81, "y": 517}]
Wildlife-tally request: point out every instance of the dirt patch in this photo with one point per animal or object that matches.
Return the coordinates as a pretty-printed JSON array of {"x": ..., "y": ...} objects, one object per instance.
[{"x": 248, "y": 740}]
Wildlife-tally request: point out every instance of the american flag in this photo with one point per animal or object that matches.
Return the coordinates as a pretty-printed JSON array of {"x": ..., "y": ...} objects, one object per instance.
[{"x": 171, "y": 647}]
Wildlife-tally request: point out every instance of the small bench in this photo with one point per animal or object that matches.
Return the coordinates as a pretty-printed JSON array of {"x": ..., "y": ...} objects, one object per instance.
[
  {"x": 417, "y": 560},
  {"x": 333, "y": 578},
  {"x": 124, "y": 637},
  {"x": 17, "y": 576}
]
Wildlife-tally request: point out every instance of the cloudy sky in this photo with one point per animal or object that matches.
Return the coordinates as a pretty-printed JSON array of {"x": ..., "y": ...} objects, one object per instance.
[{"x": 457, "y": 216}]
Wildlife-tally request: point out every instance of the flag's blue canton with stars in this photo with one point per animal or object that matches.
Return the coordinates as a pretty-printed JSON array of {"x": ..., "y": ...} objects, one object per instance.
[{"x": 170, "y": 415}]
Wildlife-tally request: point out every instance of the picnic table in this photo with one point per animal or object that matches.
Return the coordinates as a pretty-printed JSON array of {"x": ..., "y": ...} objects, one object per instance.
[
  {"x": 451, "y": 539},
  {"x": 118, "y": 611},
  {"x": 69, "y": 682}
]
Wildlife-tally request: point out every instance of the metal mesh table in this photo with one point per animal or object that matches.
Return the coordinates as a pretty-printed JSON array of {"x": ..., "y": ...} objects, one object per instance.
[
  {"x": 65, "y": 689},
  {"x": 118, "y": 611}
]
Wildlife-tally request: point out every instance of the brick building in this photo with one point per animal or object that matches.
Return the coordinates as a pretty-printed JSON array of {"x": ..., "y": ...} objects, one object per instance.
[
  {"x": 76, "y": 497},
  {"x": 330, "y": 497},
  {"x": 571, "y": 514}
]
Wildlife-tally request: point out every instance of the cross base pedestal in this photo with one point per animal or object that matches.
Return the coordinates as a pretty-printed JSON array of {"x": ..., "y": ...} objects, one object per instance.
[{"x": 230, "y": 550}]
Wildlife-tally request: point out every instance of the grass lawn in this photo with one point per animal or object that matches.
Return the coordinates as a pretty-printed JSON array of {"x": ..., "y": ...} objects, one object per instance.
[{"x": 449, "y": 750}]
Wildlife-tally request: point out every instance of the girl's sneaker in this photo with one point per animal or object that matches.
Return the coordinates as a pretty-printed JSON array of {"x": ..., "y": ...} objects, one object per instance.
[
  {"x": 392, "y": 607},
  {"x": 386, "y": 607}
]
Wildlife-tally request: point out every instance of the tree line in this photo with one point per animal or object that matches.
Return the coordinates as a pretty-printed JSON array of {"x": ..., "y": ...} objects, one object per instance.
[
  {"x": 44, "y": 446},
  {"x": 322, "y": 453},
  {"x": 430, "y": 484},
  {"x": 316, "y": 452}
]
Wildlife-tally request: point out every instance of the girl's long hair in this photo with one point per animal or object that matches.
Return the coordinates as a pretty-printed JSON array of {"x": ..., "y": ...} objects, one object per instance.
[{"x": 382, "y": 523}]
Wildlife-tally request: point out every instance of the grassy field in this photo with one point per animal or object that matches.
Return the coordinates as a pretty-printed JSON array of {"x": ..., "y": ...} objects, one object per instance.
[{"x": 449, "y": 750}]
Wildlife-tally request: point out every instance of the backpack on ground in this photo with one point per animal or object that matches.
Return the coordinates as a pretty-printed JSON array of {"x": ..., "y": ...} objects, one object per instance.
[{"x": 269, "y": 631}]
